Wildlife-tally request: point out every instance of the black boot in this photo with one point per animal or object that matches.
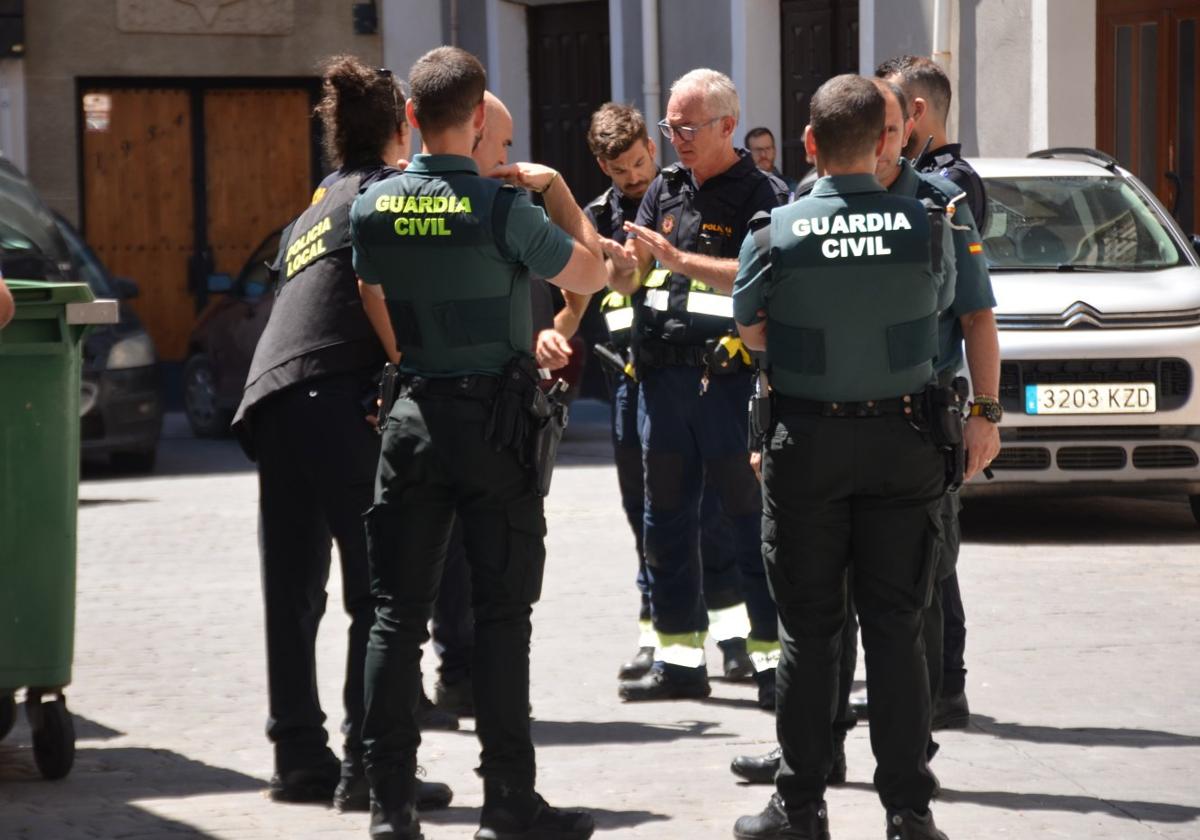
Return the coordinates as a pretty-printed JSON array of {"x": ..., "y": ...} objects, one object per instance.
[
  {"x": 951, "y": 712},
  {"x": 737, "y": 664},
  {"x": 354, "y": 794},
  {"x": 511, "y": 813},
  {"x": 455, "y": 698},
  {"x": 777, "y": 823},
  {"x": 311, "y": 783},
  {"x": 908, "y": 825},
  {"x": 430, "y": 716},
  {"x": 761, "y": 769},
  {"x": 766, "y": 689},
  {"x": 637, "y": 667},
  {"x": 667, "y": 682},
  {"x": 393, "y": 807}
]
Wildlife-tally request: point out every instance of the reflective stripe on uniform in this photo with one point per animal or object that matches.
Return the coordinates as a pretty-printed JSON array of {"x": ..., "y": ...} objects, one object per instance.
[
  {"x": 658, "y": 299},
  {"x": 729, "y": 623},
  {"x": 646, "y": 635},
  {"x": 656, "y": 279},
  {"x": 619, "y": 319},
  {"x": 683, "y": 649},
  {"x": 707, "y": 303},
  {"x": 764, "y": 655}
]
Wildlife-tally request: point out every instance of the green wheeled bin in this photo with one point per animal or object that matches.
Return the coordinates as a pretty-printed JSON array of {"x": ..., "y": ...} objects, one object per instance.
[{"x": 40, "y": 361}]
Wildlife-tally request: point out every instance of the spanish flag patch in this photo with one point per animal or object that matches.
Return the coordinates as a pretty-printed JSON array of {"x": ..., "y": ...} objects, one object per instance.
[{"x": 974, "y": 248}]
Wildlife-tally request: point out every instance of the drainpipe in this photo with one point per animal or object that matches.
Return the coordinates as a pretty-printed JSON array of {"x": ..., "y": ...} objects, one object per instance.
[
  {"x": 651, "y": 88},
  {"x": 454, "y": 23},
  {"x": 943, "y": 33}
]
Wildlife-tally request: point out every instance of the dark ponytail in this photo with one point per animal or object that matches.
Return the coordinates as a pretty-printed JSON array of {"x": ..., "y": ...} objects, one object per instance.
[{"x": 360, "y": 110}]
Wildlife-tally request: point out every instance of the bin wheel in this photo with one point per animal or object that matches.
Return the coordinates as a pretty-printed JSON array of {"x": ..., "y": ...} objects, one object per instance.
[
  {"x": 8, "y": 714},
  {"x": 53, "y": 736}
]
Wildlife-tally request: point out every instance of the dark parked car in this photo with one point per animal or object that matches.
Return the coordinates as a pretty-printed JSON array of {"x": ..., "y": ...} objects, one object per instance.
[
  {"x": 121, "y": 404},
  {"x": 223, "y": 341}
]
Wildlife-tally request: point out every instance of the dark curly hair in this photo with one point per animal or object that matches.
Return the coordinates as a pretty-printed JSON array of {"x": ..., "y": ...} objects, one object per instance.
[{"x": 360, "y": 111}]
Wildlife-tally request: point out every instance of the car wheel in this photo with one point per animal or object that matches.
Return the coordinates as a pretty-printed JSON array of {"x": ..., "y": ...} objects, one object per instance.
[
  {"x": 206, "y": 418},
  {"x": 1195, "y": 500},
  {"x": 135, "y": 462}
]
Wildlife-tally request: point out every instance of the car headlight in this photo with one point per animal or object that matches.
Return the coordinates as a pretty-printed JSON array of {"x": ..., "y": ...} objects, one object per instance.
[{"x": 131, "y": 352}]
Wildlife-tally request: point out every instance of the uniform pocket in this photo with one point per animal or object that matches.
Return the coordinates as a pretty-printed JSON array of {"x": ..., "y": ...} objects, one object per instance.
[
  {"x": 935, "y": 545},
  {"x": 526, "y": 548}
]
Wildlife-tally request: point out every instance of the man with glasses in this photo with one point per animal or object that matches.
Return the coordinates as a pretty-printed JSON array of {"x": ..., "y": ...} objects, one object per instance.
[
  {"x": 760, "y": 143},
  {"x": 695, "y": 380}
]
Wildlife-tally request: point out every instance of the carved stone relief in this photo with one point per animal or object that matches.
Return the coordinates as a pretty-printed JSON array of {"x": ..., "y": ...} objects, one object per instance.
[{"x": 207, "y": 17}]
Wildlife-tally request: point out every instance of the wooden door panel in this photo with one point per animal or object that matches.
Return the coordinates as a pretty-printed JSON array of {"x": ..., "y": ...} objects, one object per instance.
[
  {"x": 569, "y": 79},
  {"x": 258, "y": 167},
  {"x": 808, "y": 57},
  {"x": 138, "y": 205}
]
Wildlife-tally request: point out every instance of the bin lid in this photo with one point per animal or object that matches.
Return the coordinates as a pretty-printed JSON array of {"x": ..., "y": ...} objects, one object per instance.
[{"x": 82, "y": 306}]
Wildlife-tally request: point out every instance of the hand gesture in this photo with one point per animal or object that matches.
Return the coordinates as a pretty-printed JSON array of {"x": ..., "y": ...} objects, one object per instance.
[
  {"x": 552, "y": 350},
  {"x": 655, "y": 243},
  {"x": 624, "y": 257},
  {"x": 530, "y": 176},
  {"x": 982, "y": 441}
]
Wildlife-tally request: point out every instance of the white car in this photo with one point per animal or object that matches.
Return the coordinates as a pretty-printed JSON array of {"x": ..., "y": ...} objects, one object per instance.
[{"x": 1098, "y": 305}]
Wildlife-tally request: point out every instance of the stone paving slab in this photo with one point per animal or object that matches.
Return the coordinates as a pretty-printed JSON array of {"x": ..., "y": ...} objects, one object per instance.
[{"x": 1084, "y": 620}]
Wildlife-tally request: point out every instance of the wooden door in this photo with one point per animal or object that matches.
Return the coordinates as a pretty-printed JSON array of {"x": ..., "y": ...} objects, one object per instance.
[
  {"x": 569, "y": 79},
  {"x": 820, "y": 40},
  {"x": 185, "y": 180},
  {"x": 1148, "y": 96},
  {"x": 138, "y": 203},
  {"x": 258, "y": 165}
]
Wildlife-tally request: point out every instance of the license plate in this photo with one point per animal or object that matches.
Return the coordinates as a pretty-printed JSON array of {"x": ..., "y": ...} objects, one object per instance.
[{"x": 1092, "y": 398}]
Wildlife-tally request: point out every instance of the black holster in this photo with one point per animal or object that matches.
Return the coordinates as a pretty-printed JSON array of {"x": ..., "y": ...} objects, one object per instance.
[
  {"x": 549, "y": 414},
  {"x": 761, "y": 415},
  {"x": 944, "y": 406},
  {"x": 528, "y": 420},
  {"x": 389, "y": 390}
]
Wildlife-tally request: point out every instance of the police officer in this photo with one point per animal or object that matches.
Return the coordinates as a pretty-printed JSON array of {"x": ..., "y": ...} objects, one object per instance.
[
  {"x": 969, "y": 316},
  {"x": 845, "y": 300},
  {"x": 624, "y": 151},
  {"x": 694, "y": 379},
  {"x": 447, "y": 254},
  {"x": 928, "y": 91},
  {"x": 305, "y": 417}
]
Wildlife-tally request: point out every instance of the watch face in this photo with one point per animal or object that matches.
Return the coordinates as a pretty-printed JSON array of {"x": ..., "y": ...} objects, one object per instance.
[{"x": 993, "y": 411}]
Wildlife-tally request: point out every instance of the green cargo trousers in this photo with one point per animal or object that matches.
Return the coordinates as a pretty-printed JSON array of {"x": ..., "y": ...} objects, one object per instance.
[{"x": 435, "y": 465}]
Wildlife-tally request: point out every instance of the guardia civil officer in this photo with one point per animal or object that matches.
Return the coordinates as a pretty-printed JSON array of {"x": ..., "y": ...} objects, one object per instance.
[
  {"x": 305, "y": 418},
  {"x": 845, "y": 298},
  {"x": 447, "y": 255},
  {"x": 969, "y": 315},
  {"x": 928, "y": 91},
  {"x": 624, "y": 151},
  {"x": 695, "y": 379}
]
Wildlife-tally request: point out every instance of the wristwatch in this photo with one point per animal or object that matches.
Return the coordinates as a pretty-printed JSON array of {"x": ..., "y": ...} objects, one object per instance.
[{"x": 988, "y": 408}]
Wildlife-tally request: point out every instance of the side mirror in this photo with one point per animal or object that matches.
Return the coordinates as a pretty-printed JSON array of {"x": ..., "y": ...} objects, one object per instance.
[
  {"x": 124, "y": 288},
  {"x": 219, "y": 283}
]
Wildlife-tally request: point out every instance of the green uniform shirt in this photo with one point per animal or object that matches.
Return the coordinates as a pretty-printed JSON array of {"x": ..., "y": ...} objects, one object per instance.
[
  {"x": 972, "y": 286},
  {"x": 457, "y": 285}
]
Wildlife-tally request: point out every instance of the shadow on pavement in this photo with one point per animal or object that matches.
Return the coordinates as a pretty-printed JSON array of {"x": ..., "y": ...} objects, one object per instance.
[
  {"x": 1129, "y": 809},
  {"x": 102, "y": 787},
  {"x": 556, "y": 732},
  {"x": 1096, "y": 520},
  {"x": 1091, "y": 736},
  {"x": 604, "y": 817}
]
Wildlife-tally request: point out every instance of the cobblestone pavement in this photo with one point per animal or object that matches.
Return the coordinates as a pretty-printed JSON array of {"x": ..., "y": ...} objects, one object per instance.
[{"x": 1084, "y": 622}]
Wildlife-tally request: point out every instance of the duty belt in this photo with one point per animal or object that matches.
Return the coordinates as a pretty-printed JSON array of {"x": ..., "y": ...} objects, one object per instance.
[
  {"x": 910, "y": 406},
  {"x": 473, "y": 387},
  {"x": 661, "y": 354}
]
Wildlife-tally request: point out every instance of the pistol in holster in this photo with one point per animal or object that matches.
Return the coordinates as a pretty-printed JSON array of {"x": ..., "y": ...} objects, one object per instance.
[
  {"x": 727, "y": 354},
  {"x": 760, "y": 413},
  {"x": 549, "y": 414},
  {"x": 945, "y": 406},
  {"x": 614, "y": 364},
  {"x": 389, "y": 390}
]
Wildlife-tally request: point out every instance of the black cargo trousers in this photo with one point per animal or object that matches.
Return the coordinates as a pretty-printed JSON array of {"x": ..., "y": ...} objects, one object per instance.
[
  {"x": 436, "y": 465},
  {"x": 857, "y": 495},
  {"x": 316, "y": 465}
]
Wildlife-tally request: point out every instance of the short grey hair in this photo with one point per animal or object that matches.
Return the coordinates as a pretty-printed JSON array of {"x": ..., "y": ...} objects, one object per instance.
[{"x": 718, "y": 91}]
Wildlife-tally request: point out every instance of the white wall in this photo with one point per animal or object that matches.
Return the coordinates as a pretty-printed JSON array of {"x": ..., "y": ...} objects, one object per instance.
[
  {"x": 756, "y": 62},
  {"x": 1070, "y": 74},
  {"x": 12, "y": 111},
  {"x": 1003, "y": 61},
  {"x": 508, "y": 68}
]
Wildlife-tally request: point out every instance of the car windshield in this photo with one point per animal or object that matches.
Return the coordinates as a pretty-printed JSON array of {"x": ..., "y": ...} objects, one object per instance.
[
  {"x": 1065, "y": 223},
  {"x": 23, "y": 258},
  {"x": 87, "y": 264}
]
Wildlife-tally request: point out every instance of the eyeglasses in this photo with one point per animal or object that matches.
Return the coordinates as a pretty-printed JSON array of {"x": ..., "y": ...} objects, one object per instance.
[
  {"x": 399, "y": 95},
  {"x": 687, "y": 133}
]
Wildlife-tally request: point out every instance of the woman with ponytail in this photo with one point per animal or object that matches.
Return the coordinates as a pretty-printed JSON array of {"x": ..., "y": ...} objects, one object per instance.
[{"x": 307, "y": 418}]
